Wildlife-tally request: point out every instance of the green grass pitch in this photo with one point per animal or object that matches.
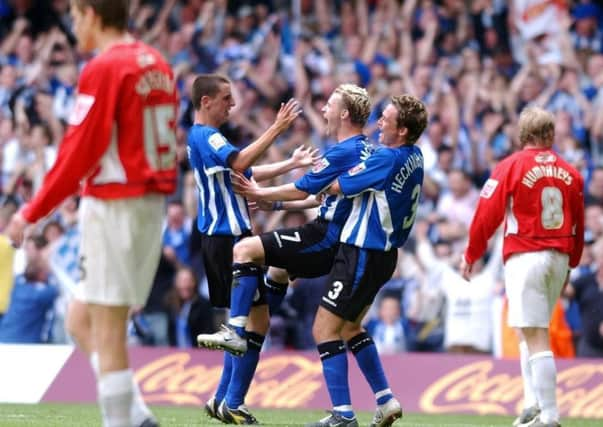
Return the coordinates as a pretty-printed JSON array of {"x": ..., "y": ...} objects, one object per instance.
[{"x": 72, "y": 415}]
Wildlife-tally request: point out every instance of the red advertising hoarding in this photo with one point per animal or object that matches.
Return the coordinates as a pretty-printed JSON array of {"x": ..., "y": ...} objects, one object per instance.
[{"x": 430, "y": 383}]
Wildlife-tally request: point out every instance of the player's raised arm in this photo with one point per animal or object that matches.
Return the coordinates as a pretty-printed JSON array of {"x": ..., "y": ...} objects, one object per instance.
[
  {"x": 252, "y": 191},
  {"x": 249, "y": 155},
  {"x": 302, "y": 157}
]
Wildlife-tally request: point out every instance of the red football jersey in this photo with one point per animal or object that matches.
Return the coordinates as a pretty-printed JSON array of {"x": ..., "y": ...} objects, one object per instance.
[
  {"x": 121, "y": 139},
  {"x": 541, "y": 197}
]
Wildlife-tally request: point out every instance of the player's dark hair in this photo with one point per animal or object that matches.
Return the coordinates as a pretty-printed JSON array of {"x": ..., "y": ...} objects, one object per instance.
[
  {"x": 412, "y": 115},
  {"x": 113, "y": 13},
  {"x": 206, "y": 85}
]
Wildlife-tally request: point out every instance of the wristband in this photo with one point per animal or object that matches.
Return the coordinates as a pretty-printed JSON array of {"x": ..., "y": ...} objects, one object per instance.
[{"x": 277, "y": 206}]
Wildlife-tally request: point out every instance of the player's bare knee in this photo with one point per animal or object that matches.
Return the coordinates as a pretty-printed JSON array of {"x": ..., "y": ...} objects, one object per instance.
[
  {"x": 247, "y": 250},
  {"x": 350, "y": 330},
  {"x": 317, "y": 332},
  {"x": 323, "y": 329},
  {"x": 529, "y": 333},
  {"x": 77, "y": 325},
  {"x": 537, "y": 339},
  {"x": 76, "y": 330},
  {"x": 259, "y": 320},
  {"x": 278, "y": 275},
  {"x": 109, "y": 337}
]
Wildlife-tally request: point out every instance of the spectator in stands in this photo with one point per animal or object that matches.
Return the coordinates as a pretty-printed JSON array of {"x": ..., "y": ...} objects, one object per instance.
[
  {"x": 593, "y": 220},
  {"x": 588, "y": 292},
  {"x": 176, "y": 236},
  {"x": 472, "y": 66},
  {"x": 468, "y": 317},
  {"x": 594, "y": 190},
  {"x": 29, "y": 315},
  {"x": 7, "y": 252},
  {"x": 387, "y": 330},
  {"x": 586, "y": 34},
  {"x": 190, "y": 313}
]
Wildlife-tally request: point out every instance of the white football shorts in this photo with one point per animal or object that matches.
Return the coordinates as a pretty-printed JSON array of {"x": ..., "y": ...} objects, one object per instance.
[
  {"x": 533, "y": 282},
  {"x": 120, "y": 246}
]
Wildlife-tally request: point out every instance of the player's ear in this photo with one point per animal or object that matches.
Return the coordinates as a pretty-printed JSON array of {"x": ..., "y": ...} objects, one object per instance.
[
  {"x": 402, "y": 131},
  {"x": 344, "y": 114}
]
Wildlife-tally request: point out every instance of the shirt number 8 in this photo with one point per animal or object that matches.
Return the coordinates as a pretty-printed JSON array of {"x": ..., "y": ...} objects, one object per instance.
[{"x": 552, "y": 208}]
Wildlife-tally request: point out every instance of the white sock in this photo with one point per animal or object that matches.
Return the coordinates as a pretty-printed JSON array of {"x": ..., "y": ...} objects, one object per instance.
[
  {"x": 529, "y": 397},
  {"x": 139, "y": 410},
  {"x": 544, "y": 379},
  {"x": 95, "y": 363},
  {"x": 115, "y": 398}
]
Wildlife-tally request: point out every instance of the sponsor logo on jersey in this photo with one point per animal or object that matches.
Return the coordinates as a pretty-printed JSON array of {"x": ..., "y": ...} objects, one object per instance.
[
  {"x": 83, "y": 104},
  {"x": 145, "y": 59},
  {"x": 357, "y": 169},
  {"x": 545, "y": 158},
  {"x": 321, "y": 165},
  {"x": 489, "y": 188},
  {"x": 217, "y": 141}
]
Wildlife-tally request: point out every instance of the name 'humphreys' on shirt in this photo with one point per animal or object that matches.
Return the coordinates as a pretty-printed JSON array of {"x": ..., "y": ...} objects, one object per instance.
[
  {"x": 414, "y": 161},
  {"x": 549, "y": 171}
]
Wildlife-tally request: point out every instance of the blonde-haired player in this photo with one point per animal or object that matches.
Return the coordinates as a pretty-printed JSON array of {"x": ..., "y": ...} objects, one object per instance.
[
  {"x": 305, "y": 251},
  {"x": 540, "y": 197}
]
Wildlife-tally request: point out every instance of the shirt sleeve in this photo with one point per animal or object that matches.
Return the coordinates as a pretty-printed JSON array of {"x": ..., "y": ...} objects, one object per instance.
[
  {"x": 489, "y": 214},
  {"x": 578, "y": 245},
  {"x": 221, "y": 149},
  {"x": 370, "y": 175},
  {"x": 323, "y": 173},
  {"x": 86, "y": 140}
]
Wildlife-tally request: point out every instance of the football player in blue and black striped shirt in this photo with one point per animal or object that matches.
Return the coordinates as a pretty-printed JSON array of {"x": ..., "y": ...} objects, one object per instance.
[
  {"x": 385, "y": 192},
  {"x": 305, "y": 251},
  {"x": 224, "y": 215}
]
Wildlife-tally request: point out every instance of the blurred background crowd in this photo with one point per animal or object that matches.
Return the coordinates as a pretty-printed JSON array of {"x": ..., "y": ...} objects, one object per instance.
[{"x": 475, "y": 64}]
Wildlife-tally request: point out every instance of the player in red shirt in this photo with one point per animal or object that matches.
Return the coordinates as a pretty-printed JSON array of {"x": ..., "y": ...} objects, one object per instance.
[
  {"x": 121, "y": 142},
  {"x": 541, "y": 197}
]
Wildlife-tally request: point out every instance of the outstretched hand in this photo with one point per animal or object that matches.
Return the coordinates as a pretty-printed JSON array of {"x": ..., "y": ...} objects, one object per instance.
[
  {"x": 305, "y": 156},
  {"x": 287, "y": 114},
  {"x": 244, "y": 186},
  {"x": 261, "y": 205}
]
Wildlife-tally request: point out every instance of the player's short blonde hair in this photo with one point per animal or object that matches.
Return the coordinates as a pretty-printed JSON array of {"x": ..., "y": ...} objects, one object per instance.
[
  {"x": 536, "y": 127},
  {"x": 356, "y": 100}
]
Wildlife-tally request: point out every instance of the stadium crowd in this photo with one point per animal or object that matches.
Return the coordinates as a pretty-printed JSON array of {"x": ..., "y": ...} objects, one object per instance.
[{"x": 475, "y": 64}]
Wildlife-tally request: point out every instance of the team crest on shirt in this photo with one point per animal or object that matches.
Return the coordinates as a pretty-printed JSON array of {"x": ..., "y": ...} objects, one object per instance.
[
  {"x": 489, "y": 188},
  {"x": 321, "y": 165},
  {"x": 217, "y": 141},
  {"x": 357, "y": 169},
  {"x": 545, "y": 158},
  {"x": 81, "y": 108},
  {"x": 144, "y": 59}
]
